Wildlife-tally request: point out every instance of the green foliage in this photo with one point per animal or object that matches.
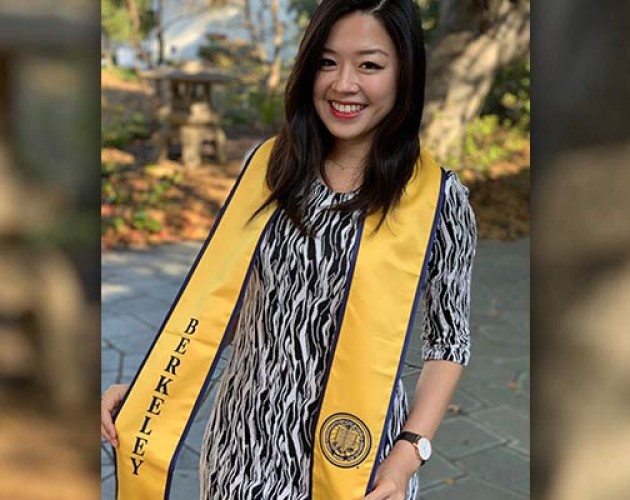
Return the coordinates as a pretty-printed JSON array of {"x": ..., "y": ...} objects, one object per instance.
[
  {"x": 238, "y": 56},
  {"x": 131, "y": 197},
  {"x": 255, "y": 109},
  {"x": 268, "y": 108},
  {"x": 489, "y": 141},
  {"x": 429, "y": 11},
  {"x": 116, "y": 23},
  {"x": 303, "y": 10},
  {"x": 125, "y": 74},
  {"x": 509, "y": 98},
  {"x": 140, "y": 220},
  {"x": 252, "y": 105},
  {"x": 120, "y": 132}
]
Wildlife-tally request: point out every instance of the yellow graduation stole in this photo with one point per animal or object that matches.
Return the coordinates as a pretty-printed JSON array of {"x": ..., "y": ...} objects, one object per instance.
[{"x": 384, "y": 284}]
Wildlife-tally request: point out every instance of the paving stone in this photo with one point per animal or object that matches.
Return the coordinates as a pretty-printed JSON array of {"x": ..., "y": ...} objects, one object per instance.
[
  {"x": 489, "y": 369},
  {"x": 459, "y": 436},
  {"x": 499, "y": 394},
  {"x": 107, "y": 457},
  {"x": 113, "y": 292},
  {"x": 495, "y": 350},
  {"x": 140, "y": 286},
  {"x": 509, "y": 423},
  {"x": 409, "y": 378},
  {"x": 436, "y": 471},
  {"x": 524, "y": 381},
  {"x": 109, "y": 378},
  {"x": 188, "y": 460},
  {"x": 501, "y": 467},
  {"x": 185, "y": 485},
  {"x": 137, "y": 342},
  {"x": 197, "y": 429},
  {"x": 506, "y": 332},
  {"x": 465, "y": 402},
  {"x": 108, "y": 484},
  {"x": 165, "y": 291},
  {"x": 110, "y": 360},
  {"x": 470, "y": 489},
  {"x": 126, "y": 333},
  {"x": 131, "y": 364}
]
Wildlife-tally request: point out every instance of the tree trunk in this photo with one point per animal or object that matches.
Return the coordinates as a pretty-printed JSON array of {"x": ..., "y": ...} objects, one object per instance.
[
  {"x": 159, "y": 34},
  {"x": 273, "y": 78},
  {"x": 475, "y": 40},
  {"x": 134, "y": 15},
  {"x": 255, "y": 28}
]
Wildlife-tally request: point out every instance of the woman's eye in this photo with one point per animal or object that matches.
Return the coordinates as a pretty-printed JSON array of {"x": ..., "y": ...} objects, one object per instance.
[
  {"x": 326, "y": 63},
  {"x": 371, "y": 65}
]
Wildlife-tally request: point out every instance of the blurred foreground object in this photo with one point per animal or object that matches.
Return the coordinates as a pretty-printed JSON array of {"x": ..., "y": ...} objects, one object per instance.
[
  {"x": 582, "y": 252},
  {"x": 49, "y": 320},
  {"x": 41, "y": 296}
]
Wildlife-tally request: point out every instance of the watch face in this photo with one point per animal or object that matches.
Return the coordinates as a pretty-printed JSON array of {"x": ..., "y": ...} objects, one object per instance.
[{"x": 424, "y": 448}]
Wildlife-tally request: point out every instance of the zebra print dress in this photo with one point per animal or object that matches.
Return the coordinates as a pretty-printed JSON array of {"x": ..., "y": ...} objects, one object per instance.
[{"x": 258, "y": 441}]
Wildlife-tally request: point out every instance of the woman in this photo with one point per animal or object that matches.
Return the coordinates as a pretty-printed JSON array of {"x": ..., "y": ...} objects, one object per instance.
[{"x": 349, "y": 150}]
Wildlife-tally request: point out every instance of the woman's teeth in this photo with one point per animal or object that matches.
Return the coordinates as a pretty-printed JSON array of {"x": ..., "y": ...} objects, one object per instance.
[{"x": 347, "y": 108}]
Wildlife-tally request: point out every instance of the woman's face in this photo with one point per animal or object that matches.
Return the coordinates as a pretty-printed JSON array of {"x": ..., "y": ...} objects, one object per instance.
[{"x": 355, "y": 86}]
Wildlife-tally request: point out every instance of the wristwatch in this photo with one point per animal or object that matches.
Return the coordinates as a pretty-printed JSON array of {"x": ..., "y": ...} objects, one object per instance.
[{"x": 420, "y": 443}]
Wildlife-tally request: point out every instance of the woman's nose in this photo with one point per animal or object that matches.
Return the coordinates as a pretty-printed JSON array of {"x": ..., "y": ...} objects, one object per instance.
[{"x": 345, "y": 82}]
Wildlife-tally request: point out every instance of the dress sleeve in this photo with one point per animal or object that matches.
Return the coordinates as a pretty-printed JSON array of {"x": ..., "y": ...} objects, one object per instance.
[{"x": 446, "y": 312}]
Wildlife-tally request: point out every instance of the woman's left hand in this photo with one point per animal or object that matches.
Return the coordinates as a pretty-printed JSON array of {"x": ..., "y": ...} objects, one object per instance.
[{"x": 393, "y": 475}]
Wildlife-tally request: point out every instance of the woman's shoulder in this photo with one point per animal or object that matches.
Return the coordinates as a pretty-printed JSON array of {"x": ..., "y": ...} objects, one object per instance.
[
  {"x": 453, "y": 186},
  {"x": 456, "y": 208}
]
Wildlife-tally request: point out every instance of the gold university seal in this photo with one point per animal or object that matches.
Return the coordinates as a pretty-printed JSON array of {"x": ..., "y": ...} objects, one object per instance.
[{"x": 345, "y": 440}]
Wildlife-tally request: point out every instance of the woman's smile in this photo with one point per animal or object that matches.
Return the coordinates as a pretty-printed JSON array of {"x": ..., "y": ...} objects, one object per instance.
[{"x": 346, "y": 111}]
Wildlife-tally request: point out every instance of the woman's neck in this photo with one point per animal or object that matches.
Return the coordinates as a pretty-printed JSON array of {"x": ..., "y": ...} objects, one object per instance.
[
  {"x": 345, "y": 155},
  {"x": 345, "y": 166}
]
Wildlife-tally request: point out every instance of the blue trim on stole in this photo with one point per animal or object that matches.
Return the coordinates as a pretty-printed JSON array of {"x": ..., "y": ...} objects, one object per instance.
[
  {"x": 222, "y": 344},
  {"x": 340, "y": 315},
  {"x": 419, "y": 290}
]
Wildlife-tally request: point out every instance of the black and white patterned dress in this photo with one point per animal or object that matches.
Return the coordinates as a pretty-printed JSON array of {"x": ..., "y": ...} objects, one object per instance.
[{"x": 258, "y": 441}]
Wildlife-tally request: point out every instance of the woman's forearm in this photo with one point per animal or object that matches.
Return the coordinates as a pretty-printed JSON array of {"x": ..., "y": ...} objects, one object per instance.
[{"x": 434, "y": 391}]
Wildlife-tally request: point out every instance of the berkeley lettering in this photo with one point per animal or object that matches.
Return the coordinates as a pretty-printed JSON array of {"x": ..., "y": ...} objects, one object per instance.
[
  {"x": 138, "y": 448},
  {"x": 160, "y": 396},
  {"x": 183, "y": 342},
  {"x": 173, "y": 363},
  {"x": 156, "y": 402},
  {"x": 136, "y": 465},
  {"x": 162, "y": 385},
  {"x": 145, "y": 426},
  {"x": 192, "y": 326}
]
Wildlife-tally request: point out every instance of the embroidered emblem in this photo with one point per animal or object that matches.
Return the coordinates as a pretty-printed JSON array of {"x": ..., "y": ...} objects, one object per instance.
[{"x": 345, "y": 440}]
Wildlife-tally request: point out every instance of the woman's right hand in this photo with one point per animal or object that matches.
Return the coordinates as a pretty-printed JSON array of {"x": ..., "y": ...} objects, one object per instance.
[{"x": 110, "y": 402}]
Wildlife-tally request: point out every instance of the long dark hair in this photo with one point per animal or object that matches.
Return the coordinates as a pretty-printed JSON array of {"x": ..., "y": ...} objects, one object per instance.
[{"x": 304, "y": 142}]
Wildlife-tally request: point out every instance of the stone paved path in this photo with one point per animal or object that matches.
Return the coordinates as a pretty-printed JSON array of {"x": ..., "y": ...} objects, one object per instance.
[{"x": 481, "y": 452}]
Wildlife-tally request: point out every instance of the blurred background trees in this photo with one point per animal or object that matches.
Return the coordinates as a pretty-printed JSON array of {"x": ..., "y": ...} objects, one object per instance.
[
  {"x": 478, "y": 62},
  {"x": 477, "y": 111}
]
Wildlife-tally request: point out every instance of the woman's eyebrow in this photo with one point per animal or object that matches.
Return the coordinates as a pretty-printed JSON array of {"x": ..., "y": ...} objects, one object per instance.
[{"x": 364, "y": 52}]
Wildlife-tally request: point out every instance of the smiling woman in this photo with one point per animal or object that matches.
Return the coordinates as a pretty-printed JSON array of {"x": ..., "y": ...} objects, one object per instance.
[{"x": 335, "y": 231}]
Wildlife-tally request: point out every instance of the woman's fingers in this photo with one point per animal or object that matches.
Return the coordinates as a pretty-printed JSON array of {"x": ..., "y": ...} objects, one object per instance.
[
  {"x": 108, "y": 431},
  {"x": 106, "y": 435},
  {"x": 385, "y": 491},
  {"x": 111, "y": 400},
  {"x": 378, "y": 493}
]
